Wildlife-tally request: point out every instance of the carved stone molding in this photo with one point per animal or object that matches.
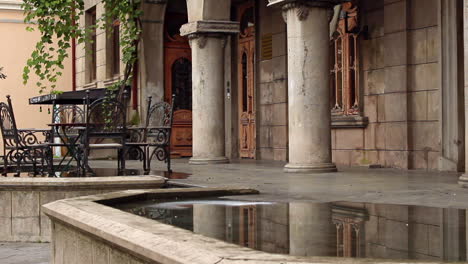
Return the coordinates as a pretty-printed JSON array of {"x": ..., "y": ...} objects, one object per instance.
[
  {"x": 210, "y": 26},
  {"x": 197, "y": 39},
  {"x": 200, "y": 39},
  {"x": 319, "y": 3},
  {"x": 302, "y": 10},
  {"x": 302, "y": 7}
]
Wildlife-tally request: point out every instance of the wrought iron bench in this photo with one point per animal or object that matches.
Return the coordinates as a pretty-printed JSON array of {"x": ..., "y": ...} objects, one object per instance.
[
  {"x": 155, "y": 137},
  {"x": 21, "y": 147}
]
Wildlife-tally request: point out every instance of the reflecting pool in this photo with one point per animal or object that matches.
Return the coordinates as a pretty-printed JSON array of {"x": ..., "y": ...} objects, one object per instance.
[{"x": 343, "y": 229}]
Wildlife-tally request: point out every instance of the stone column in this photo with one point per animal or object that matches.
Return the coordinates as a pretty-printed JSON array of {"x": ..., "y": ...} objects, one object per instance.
[
  {"x": 207, "y": 40},
  {"x": 451, "y": 109},
  {"x": 463, "y": 180},
  {"x": 308, "y": 84}
]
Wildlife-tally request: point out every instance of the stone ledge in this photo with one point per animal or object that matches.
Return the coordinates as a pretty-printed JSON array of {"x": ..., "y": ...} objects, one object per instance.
[
  {"x": 67, "y": 184},
  {"x": 210, "y": 26},
  {"x": 349, "y": 121}
]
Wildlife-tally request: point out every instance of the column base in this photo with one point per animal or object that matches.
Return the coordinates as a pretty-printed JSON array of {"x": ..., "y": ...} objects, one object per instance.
[
  {"x": 463, "y": 180},
  {"x": 310, "y": 168},
  {"x": 206, "y": 161}
]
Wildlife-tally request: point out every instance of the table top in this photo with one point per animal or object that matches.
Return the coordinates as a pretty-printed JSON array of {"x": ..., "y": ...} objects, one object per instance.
[
  {"x": 69, "y": 97},
  {"x": 33, "y": 129},
  {"x": 84, "y": 124},
  {"x": 150, "y": 127},
  {"x": 68, "y": 124}
]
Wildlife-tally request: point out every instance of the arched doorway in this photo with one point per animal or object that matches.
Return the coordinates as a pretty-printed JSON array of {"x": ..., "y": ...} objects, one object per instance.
[
  {"x": 178, "y": 78},
  {"x": 246, "y": 80}
]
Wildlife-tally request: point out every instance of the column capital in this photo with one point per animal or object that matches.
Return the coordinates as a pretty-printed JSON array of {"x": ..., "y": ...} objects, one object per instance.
[
  {"x": 310, "y": 3},
  {"x": 302, "y": 7},
  {"x": 204, "y": 27}
]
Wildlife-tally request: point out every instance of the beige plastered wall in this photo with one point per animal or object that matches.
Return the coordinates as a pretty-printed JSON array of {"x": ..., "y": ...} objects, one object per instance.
[{"x": 16, "y": 46}]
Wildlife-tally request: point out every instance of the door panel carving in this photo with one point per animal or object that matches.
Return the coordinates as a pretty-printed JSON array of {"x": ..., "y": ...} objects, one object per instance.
[
  {"x": 178, "y": 81},
  {"x": 246, "y": 81}
]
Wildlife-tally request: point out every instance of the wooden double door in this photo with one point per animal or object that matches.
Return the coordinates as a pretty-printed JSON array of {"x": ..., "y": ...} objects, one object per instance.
[
  {"x": 246, "y": 80},
  {"x": 178, "y": 81}
]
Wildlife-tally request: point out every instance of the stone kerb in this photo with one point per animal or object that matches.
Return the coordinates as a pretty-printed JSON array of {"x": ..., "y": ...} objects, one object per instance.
[
  {"x": 21, "y": 216},
  {"x": 85, "y": 230}
]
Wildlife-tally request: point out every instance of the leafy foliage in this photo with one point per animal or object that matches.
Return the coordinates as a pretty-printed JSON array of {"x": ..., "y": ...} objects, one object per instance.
[
  {"x": 56, "y": 22},
  {"x": 2, "y": 76}
]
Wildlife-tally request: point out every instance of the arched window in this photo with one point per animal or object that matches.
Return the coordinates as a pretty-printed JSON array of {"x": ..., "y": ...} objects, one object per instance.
[
  {"x": 182, "y": 83},
  {"x": 350, "y": 225},
  {"x": 244, "y": 83},
  {"x": 344, "y": 63}
]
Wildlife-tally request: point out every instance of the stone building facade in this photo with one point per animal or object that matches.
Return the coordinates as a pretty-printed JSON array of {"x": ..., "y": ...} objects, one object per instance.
[{"x": 311, "y": 82}]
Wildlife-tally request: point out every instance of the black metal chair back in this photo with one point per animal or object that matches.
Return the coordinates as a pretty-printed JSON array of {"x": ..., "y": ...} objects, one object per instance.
[
  {"x": 8, "y": 126},
  {"x": 106, "y": 117},
  {"x": 20, "y": 147},
  {"x": 159, "y": 115},
  {"x": 68, "y": 114}
]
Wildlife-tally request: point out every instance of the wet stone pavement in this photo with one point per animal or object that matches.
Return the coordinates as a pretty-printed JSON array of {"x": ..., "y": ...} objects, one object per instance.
[
  {"x": 24, "y": 253},
  {"x": 389, "y": 186}
]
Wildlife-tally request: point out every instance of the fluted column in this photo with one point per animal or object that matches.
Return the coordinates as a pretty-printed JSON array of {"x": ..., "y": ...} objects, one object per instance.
[
  {"x": 207, "y": 40},
  {"x": 308, "y": 84}
]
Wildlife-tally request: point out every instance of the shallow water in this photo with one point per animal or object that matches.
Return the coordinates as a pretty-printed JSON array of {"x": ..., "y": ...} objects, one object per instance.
[{"x": 343, "y": 229}]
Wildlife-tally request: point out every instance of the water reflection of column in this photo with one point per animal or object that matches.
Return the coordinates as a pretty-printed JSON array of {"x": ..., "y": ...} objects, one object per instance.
[
  {"x": 209, "y": 220},
  {"x": 311, "y": 231},
  {"x": 454, "y": 235}
]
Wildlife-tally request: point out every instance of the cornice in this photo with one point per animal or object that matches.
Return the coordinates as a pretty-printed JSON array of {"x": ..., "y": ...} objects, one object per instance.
[{"x": 10, "y": 5}]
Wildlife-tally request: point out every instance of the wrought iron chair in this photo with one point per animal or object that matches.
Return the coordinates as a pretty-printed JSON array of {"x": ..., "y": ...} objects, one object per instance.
[
  {"x": 21, "y": 147},
  {"x": 66, "y": 117},
  {"x": 156, "y": 134},
  {"x": 105, "y": 119}
]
